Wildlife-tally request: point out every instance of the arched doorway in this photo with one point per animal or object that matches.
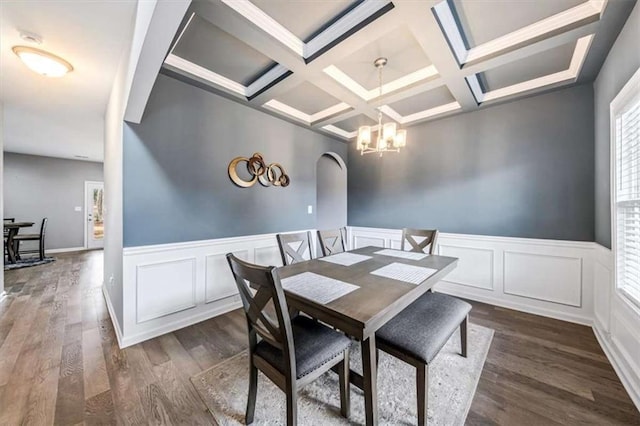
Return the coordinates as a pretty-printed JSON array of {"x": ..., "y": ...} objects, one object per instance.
[{"x": 331, "y": 192}]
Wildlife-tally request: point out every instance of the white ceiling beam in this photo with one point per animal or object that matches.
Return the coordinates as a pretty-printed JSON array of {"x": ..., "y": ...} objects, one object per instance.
[{"x": 147, "y": 55}]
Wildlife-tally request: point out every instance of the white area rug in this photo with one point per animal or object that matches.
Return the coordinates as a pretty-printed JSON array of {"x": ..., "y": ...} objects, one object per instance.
[{"x": 452, "y": 384}]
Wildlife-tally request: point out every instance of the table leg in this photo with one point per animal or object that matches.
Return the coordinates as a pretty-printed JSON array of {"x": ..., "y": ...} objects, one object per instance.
[
  {"x": 369, "y": 370},
  {"x": 11, "y": 254}
]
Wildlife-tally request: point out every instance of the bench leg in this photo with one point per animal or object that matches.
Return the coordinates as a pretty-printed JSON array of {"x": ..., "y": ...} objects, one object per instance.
[
  {"x": 463, "y": 335},
  {"x": 422, "y": 381}
]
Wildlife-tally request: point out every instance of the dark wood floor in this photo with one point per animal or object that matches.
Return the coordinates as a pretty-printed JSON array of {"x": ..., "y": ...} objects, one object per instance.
[{"x": 60, "y": 362}]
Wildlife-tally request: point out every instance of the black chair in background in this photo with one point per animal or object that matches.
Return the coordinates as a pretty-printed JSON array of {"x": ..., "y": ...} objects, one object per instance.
[
  {"x": 6, "y": 232},
  {"x": 291, "y": 353},
  {"x": 332, "y": 241},
  {"x": 417, "y": 334},
  {"x": 294, "y": 247},
  {"x": 32, "y": 237}
]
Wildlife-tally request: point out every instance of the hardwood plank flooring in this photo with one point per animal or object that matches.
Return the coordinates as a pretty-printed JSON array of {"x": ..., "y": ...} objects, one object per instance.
[{"x": 60, "y": 362}]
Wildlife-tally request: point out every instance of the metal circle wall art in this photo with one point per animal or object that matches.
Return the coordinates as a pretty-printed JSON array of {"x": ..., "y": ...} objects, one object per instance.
[{"x": 271, "y": 175}]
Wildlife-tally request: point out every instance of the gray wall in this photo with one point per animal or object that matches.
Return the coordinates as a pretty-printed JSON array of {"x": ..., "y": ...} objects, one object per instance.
[
  {"x": 521, "y": 169},
  {"x": 621, "y": 63},
  {"x": 37, "y": 187},
  {"x": 331, "y": 193},
  {"x": 176, "y": 186}
]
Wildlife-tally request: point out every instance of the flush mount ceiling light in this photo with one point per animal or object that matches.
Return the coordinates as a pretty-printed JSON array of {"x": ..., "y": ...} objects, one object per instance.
[
  {"x": 390, "y": 139},
  {"x": 42, "y": 62}
]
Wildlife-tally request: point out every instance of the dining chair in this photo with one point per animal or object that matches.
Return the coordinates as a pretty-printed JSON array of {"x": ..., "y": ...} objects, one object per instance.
[
  {"x": 5, "y": 233},
  {"x": 417, "y": 334},
  {"x": 294, "y": 247},
  {"x": 331, "y": 241},
  {"x": 32, "y": 237},
  {"x": 427, "y": 245},
  {"x": 290, "y": 352}
]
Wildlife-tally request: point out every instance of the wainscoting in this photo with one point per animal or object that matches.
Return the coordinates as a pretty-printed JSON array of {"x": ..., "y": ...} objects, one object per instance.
[
  {"x": 616, "y": 322},
  {"x": 170, "y": 286},
  {"x": 544, "y": 277}
]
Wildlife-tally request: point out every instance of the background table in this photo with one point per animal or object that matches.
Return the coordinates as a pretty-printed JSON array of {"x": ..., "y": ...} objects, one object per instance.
[
  {"x": 13, "y": 228},
  {"x": 363, "y": 311}
]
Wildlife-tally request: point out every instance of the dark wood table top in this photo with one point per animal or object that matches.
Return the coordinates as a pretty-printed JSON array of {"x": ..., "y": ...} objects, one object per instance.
[
  {"x": 9, "y": 225},
  {"x": 361, "y": 312}
]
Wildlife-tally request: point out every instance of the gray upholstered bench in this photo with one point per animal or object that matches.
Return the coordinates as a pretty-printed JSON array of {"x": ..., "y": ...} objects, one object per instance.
[{"x": 417, "y": 334}]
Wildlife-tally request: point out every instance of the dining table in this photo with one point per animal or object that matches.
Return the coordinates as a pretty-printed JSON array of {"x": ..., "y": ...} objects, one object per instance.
[
  {"x": 12, "y": 229},
  {"x": 364, "y": 289}
]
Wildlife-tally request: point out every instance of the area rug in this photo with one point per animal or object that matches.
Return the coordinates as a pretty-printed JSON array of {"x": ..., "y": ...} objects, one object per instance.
[
  {"x": 27, "y": 263},
  {"x": 452, "y": 384}
]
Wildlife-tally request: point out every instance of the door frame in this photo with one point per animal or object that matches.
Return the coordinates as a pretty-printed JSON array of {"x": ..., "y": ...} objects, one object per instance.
[{"x": 84, "y": 209}]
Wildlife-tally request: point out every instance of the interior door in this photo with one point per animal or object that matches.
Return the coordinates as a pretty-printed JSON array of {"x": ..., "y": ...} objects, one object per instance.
[{"x": 94, "y": 209}]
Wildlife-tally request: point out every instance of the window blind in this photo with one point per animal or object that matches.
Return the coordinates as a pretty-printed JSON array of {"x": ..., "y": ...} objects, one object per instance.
[{"x": 627, "y": 199}]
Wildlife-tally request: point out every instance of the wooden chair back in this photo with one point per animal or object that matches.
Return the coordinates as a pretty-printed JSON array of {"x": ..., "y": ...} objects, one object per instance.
[
  {"x": 294, "y": 246},
  {"x": 266, "y": 283},
  {"x": 428, "y": 245},
  {"x": 331, "y": 241}
]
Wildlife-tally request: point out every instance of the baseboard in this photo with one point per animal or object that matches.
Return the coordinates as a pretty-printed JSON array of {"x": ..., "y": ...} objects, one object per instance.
[
  {"x": 545, "y": 312},
  {"x": 65, "y": 250},
  {"x": 114, "y": 318},
  {"x": 629, "y": 379},
  {"x": 168, "y": 327}
]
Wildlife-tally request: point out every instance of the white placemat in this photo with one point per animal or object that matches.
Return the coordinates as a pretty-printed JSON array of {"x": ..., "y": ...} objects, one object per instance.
[
  {"x": 346, "y": 259},
  {"x": 407, "y": 273},
  {"x": 317, "y": 287},
  {"x": 402, "y": 254}
]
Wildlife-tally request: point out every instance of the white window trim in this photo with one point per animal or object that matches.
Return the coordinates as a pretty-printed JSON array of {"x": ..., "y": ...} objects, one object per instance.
[{"x": 629, "y": 92}]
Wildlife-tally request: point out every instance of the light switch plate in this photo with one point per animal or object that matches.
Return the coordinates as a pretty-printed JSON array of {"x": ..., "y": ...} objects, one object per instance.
[
  {"x": 78, "y": 209},
  {"x": 310, "y": 209}
]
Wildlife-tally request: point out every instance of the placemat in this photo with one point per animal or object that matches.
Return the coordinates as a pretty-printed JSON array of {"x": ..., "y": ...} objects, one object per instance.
[
  {"x": 402, "y": 254},
  {"x": 407, "y": 273},
  {"x": 346, "y": 259},
  {"x": 317, "y": 287}
]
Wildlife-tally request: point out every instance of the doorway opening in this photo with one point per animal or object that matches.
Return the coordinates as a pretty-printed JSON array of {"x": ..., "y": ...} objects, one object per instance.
[
  {"x": 331, "y": 192},
  {"x": 94, "y": 214}
]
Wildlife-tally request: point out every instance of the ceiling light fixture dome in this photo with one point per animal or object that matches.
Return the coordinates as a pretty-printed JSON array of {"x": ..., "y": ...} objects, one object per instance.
[{"x": 42, "y": 62}]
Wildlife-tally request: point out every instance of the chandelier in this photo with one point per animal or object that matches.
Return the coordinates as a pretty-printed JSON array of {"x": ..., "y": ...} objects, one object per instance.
[{"x": 390, "y": 138}]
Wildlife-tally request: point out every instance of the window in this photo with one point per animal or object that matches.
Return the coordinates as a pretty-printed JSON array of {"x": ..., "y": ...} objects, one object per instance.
[{"x": 625, "y": 186}]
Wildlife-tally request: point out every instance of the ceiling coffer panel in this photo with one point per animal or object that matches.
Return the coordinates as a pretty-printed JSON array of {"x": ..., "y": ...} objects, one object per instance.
[
  {"x": 535, "y": 66},
  {"x": 204, "y": 44},
  {"x": 398, "y": 46},
  {"x": 423, "y": 101},
  {"x": 307, "y": 98},
  {"x": 352, "y": 124},
  {"x": 304, "y": 18},
  {"x": 478, "y": 23}
]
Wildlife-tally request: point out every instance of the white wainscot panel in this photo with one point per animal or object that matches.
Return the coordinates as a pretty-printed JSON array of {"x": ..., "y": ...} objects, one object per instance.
[
  {"x": 602, "y": 294},
  {"x": 626, "y": 337},
  {"x": 219, "y": 282},
  {"x": 267, "y": 256},
  {"x": 360, "y": 241},
  {"x": 556, "y": 279},
  {"x": 165, "y": 288},
  {"x": 475, "y": 266},
  {"x": 395, "y": 244}
]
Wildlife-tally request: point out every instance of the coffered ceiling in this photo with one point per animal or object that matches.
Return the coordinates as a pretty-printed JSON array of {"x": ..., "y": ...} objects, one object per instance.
[{"x": 311, "y": 62}]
